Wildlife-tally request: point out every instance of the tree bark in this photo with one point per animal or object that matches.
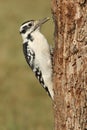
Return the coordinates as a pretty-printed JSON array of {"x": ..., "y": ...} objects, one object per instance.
[{"x": 70, "y": 64}]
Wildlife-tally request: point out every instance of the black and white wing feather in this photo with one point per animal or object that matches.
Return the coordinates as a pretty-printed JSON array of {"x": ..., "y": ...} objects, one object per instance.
[
  {"x": 30, "y": 58},
  {"x": 29, "y": 55}
]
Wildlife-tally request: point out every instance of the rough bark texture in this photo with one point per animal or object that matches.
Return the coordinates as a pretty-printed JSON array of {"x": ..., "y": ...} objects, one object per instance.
[{"x": 70, "y": 64}]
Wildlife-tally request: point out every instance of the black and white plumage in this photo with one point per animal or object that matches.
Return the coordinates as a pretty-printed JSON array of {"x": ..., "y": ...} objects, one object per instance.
[{"x": 37, "y": 53}]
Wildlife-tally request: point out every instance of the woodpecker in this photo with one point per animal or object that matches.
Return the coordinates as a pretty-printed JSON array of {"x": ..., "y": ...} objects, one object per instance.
[{"x": 37, "y": 53}]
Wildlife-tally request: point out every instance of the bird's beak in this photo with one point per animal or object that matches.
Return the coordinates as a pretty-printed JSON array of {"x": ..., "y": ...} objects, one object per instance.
[{"x": 40, "y": 22}]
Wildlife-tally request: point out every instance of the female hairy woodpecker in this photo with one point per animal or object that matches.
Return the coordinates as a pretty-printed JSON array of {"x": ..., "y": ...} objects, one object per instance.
[{"x": 37, "y": 53}]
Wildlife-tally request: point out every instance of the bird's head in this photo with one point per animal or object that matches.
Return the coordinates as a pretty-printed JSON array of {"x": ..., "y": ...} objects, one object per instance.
[{"x": 29, "y": 27}]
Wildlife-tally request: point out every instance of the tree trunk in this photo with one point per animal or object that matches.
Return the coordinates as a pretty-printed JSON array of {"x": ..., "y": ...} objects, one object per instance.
[{"x": 70, "y": 64}]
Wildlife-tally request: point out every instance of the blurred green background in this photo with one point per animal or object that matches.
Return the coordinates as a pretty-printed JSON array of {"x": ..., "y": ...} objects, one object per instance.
[{"x": 24, "y": 105}]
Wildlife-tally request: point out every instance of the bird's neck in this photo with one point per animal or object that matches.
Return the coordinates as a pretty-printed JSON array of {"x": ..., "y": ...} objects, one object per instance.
[{"x": 32, "y": 36}]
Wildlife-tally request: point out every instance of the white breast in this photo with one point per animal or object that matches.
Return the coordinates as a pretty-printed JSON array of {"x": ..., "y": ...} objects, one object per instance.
[{"x": 42, "y": 54}]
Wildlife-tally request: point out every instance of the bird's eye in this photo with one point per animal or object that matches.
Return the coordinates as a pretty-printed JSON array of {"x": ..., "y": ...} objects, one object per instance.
[{"x": 30, "y": 24}]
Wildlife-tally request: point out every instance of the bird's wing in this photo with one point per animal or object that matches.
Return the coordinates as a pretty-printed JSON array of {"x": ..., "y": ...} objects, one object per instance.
[{"x": 29, "y": 55}]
